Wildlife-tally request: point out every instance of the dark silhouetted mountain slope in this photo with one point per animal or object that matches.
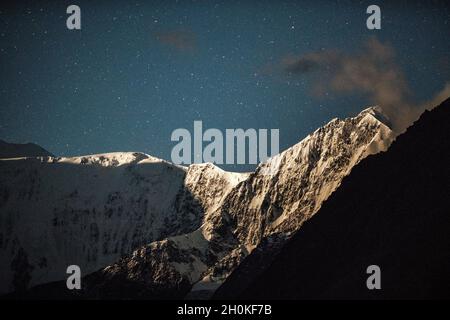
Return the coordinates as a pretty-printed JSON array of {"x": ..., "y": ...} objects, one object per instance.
[
  {"x": 393, "y": 211},
  {"x": 17, "y": 150}
]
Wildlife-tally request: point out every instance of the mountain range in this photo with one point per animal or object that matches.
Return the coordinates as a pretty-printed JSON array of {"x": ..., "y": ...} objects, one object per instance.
[{"x": 141, "y": 227}]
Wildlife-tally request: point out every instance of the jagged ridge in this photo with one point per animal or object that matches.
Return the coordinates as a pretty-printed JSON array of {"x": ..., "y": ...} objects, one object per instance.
[{"x": 209, "y": 219}]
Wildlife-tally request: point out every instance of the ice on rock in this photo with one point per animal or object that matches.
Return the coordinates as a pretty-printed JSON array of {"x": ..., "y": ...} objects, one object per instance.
[{"x": 195, "y": 223}]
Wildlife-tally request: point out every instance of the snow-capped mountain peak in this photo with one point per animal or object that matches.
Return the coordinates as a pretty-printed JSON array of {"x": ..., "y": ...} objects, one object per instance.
[{"x": 170, "y": 224}]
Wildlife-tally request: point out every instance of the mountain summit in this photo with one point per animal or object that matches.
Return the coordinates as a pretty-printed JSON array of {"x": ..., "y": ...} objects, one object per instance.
[
  {"x": 391, "y": 211},
  {"x": 153, "y": 229}
]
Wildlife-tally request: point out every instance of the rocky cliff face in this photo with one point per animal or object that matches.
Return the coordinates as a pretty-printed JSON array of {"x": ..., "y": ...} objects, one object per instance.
[
  {"x": 286, "y": 190},
  {"x": 173, "y": 228},
  {"x": 391, "y": 211}
]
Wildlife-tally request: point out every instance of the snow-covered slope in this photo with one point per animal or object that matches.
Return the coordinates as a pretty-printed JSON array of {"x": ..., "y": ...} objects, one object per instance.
[
  {"x": 143, "y": 220},
  {"x": 92, "y": 210},
  {"x": 270, "y": 203},
  {"x": 290, "y": 187}
]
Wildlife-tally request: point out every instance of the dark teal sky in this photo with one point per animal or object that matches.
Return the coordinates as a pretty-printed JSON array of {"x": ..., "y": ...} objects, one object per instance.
[{"x": 140, "y": 69}]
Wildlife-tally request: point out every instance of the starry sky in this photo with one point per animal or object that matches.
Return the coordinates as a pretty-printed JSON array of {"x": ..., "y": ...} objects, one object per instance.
[{"x": 137, "y": 70}]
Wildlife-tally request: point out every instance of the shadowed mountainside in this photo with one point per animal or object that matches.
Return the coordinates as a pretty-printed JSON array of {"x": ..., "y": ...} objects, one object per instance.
[
  {"x": 16, "y": 150},
  {"x": 392, "y": 211}
]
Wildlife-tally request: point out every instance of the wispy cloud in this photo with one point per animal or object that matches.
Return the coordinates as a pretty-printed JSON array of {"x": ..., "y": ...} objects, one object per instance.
[
  {"x": 182, "y": 39},
  {"x": 372, "y": 70}
]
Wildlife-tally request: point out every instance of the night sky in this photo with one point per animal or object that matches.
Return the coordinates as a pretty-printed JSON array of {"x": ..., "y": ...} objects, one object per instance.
[{"x": 140, "y": 69}]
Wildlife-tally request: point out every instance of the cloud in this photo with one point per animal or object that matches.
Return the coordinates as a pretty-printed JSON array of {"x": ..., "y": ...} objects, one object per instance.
[
  {"x": 372, "y": 71},
  {"x": 302, "y": 65},
  {"x": 181, "y": 40},
  {"x": 311, "y": 62}
]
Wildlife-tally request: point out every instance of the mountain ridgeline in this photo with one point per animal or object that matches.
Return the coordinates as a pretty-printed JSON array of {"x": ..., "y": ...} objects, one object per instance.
[
  {"x": 392, "y": 211},
  {"x": 140, "y": 227},
  {"x": 16, "y": 150}
]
